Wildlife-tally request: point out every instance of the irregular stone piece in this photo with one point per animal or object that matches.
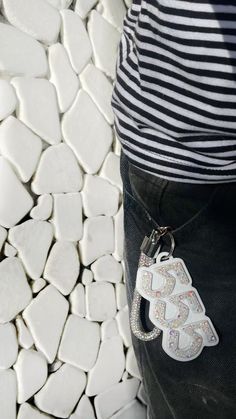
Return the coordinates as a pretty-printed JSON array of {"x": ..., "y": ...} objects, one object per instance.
[
  {"x": 8, "y": 388},
  {"x": 38, "y": 94},
  {"x": 83, "y": 7},
  {"x": 60, "y": 4},
  {"x": 109, "y": 367},
  {"x": 109, "y": 329},
  {"x": 98, "y": 238},
  {"x": 58, "y": 171},
  {"x": 43, "y": 209},
  {"x": 106, "y": 268},
  {"x": 32, "y": 239},
  {"x": 122, "y": 318},
  {"x": 45, "y": 316},
  {"x": 26, "y": 411},
  {"x": 68, "y": 216},
  {"x": 24, "y": 336},
  {"x": 20, "y": 53},
  {"x": 114, "y": 398},
  {"x": 3, "y": 236},
  {"x": 40, "y": 21},
  {"x": 38, "y": 285},
  {"x": 80, "y": 342},
  {"x": 121, "y": 296},
  {"x": 57, "y": 398},
  {"x": 27, "y": 383},
  {"x": 131, "y": 363},
  {"x": 87, "y": 276},
  {"x": 75, "y": 39},
  {"x": 20, "y": 146},
  {"x": 87, "y": 132},
  {"x": 132, "y": 410},
  {"x": 100, "y": 301},
  {"x": 99, "y": 88},
  {"x": 111, "y": 169},
  {"x": 62, "y": 76},
  {"x": 62, "y": 267},
  {"x": 119, "y": 234},
  {"x": 9, "y": 250},
  {"x": 84, "y": 409},
  {"x": 94, "y": 190},
  {"x": 77, "y": 300},
  {"x": 114, "y": 12},
  {"x": 15, "y": 292},
  {"x": 8, "y": 99},
  {"x": 8, "y": 346},
  {"x": 15, "y": 201},
  {"x": 105, "y": 40}
]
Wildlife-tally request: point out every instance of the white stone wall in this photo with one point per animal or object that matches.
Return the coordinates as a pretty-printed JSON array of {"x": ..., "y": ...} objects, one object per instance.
[{"x": 65, "y": 343}]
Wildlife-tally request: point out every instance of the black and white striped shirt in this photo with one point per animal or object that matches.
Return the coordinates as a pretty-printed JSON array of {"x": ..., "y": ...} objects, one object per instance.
[{"x": 174, "y": 97}]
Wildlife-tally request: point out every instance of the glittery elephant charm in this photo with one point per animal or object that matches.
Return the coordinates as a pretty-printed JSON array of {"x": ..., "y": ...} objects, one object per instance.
[{"x": 176, "y": 308}]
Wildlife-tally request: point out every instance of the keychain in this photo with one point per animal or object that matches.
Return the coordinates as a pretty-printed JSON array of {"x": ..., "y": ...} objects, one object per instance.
[{"x": 176, "y": 309}]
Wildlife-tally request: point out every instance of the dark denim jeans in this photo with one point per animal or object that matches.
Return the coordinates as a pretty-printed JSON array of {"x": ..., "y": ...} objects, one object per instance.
[{"x": 203, "y": 217}]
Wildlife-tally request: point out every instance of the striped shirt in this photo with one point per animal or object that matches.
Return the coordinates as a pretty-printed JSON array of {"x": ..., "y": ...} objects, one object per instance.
[{"x": 174, "y": 97}]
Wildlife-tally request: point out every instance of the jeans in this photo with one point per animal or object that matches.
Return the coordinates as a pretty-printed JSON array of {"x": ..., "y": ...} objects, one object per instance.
[{"x": 203, "y": 218}]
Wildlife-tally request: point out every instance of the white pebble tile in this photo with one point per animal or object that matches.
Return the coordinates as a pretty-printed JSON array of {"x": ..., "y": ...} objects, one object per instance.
[
  {"x": 28, "y": 384},
  {"x": 121, "y": 296},
  {"x": 15, "y": 200},
  {"x": 57, "y": 172},
  {"x": 20, "y": 146},
  {"x": 86, "y": 137},
  {"x": 60, "y": 4},
  {"x": 32, "y": 59},
  {"x": 62, "y": 266},
  {"x": 3, "y": 236},
  {"x": 68, "y": 216},
  {"x": 77, "y": 300},
  {"x": 83, "y": 7},
  {"x": 87, "y": 276},
  {"x": 9, "y": 250},
  {"x": 38, "y": 93},
  {"x": 131, "y": 363},
  {"x": 106, "y": 268},
  {"x": 15, "y": 292},
  {"x": 95, "y": 189},
  {"x": 62, "y": 76},
  {"x": 7, "y": 99},
  {"x": 99, "y": 88},
  {"x": 109, "y": 329},
  {"x": 105, "y": 39},
  {"x": 43, "y": 209},
  {"x": 24, "y": 336},
  {"x": 122, "y": 318},
  {"x": 114, "y": 398},
  {"x": 119, "y": 234},
  {"x": 109, "y": 367},
  {"x": 100, "y": 301},
  {"x": 110, "y": 169},
  {"x": 97, "y": 240},
  {"x": 8, "y": 388},
  {"x": 26, "y": 411},
  {"x": 8, "y": 346},
  {"x": 32, "y": 239},
  {"x": 57, "y": 398},
  {"x": 45, "y": 316},
  {"x": 84, "y": 409},
  {"x": 38, "y": 284},
  {"x": 80, "y": 342},
  {"x": 40, "y": 21},
  {"x": 114, "y": 12},
  {"x": 75, "y": 39},
  {"x": 132, "y": 410}
]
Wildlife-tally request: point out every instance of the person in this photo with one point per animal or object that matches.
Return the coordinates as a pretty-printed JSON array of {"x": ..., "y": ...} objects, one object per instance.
[{"x": 174, "y": 104}]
